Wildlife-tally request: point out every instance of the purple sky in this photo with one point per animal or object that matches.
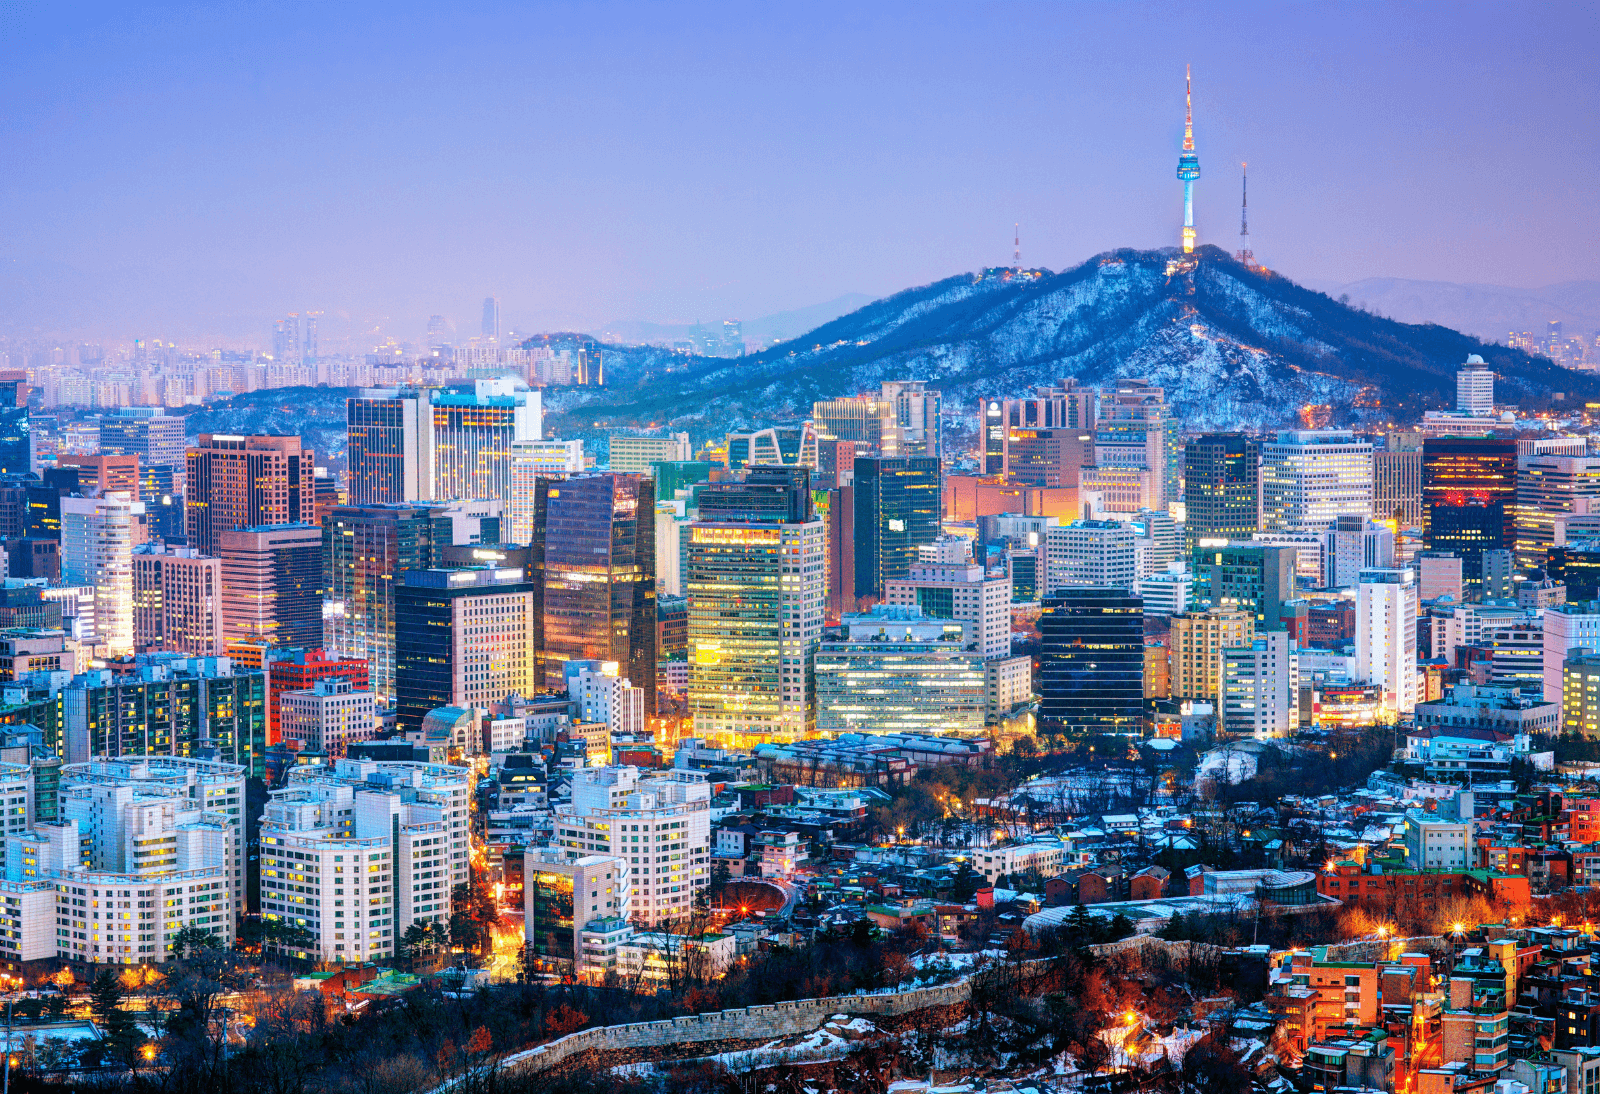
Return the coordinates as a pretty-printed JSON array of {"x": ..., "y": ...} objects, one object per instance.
[{"x": 193, "y": 171}]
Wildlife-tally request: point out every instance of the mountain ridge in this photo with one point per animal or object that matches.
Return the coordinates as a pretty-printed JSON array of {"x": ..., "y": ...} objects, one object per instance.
[{"x": 1233, "y": 346}]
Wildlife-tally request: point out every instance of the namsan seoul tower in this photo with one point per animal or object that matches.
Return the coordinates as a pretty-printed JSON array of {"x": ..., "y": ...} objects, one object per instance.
[{"x": 1188, "y": 164}]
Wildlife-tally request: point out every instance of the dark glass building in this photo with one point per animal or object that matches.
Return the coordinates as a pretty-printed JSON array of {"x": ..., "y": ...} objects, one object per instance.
[
  {"x": 461, "y": 638},
  {"x": 1091, "y": 664},
  {"x": 898, "y": 504},
  {"x": 1259, "y": 580},
  {"x": 388, "y": 432},
  {"x": 1221, "y": 488},
  {"x": 365, "y": 548},
  {"x": 16, "y": 440},
  {"x": 594, "y": 555},
  {"x": 1469, "y": 495},
  {"x": 163, "y": 503},
  {"x": 1578, "y": 569},
  {"x": 548, "y": 909}
]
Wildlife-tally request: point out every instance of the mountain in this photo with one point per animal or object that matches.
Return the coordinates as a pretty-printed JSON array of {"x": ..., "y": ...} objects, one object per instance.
[
  {"x": 781, "y": 325},
  {"x": 1489, "y": 312},
  {"x": 1232, "y": 346}
]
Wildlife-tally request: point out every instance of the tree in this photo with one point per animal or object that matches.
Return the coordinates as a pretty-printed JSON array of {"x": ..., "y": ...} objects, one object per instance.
[
  {"x": 564, "y": 1020},
  {"x": 192, "y": 940},
  {"x": 966, "y": 883},
  {"x": 121, "y": 1033}
]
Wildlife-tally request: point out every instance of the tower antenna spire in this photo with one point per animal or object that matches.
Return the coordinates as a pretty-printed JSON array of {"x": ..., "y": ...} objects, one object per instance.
[
  {"x": 1016, "y": 245},
  {"x": 1188, "y": 162},
  {"x": 1247, "y": 257}
]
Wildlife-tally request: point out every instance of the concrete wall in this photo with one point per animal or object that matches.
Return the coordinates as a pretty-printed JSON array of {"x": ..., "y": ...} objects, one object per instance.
[{"x": 744, "y": 1024}]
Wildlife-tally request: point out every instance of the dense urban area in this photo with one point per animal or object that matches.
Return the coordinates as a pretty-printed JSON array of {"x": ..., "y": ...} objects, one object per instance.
[{"x": 1033, "y": 746}]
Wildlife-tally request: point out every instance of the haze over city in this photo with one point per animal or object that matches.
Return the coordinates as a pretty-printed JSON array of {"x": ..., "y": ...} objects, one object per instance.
[{"x": 191, "y": 172}]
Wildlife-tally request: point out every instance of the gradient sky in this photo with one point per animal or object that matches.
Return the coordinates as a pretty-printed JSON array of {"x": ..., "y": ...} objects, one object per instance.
[{"x": 191, "y": 171}]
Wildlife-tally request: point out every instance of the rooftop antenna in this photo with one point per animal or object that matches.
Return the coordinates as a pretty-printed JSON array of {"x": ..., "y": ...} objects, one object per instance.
[
  {"x": 1247, "y": 257},
  {"x": 1016, "y": 245}
]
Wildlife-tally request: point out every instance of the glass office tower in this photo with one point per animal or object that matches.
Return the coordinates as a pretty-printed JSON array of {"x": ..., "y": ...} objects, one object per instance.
[{"x": 1091, "y": 674}]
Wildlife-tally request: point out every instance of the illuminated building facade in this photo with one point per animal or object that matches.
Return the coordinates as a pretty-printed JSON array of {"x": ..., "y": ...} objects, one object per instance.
[
  {"x": 1064, "y": 415},
  {"x": 1188, "y": 165},
  {"x": 97, "y": 537},
  {"x": 1547, "y": 487},
  {"x": 1469, "y": 498},
  {"x": 756, "y": 581},
  {"x": 177, "y": 600},
  {"x": 475, "y": 433},
  {"x": 595, "y": 571},
  {"x": 272, "y": 584},
  {"x": 897, "y": 670},
  {"x": 240, "y": 482},
  {"x": 1397, "y": 486},
  {"x": 530, "y": 462},
  {"x": 1310, "y": 477},
  {"x": 365, "y": 547},
  {"x": 389, "y": 436}
]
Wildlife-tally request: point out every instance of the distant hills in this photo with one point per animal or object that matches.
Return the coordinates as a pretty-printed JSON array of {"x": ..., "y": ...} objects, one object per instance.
[
  {"x": 782, "y": 325},
  {"x": 1484, "y": 311},
  {"x": 1233, "y": 346}
]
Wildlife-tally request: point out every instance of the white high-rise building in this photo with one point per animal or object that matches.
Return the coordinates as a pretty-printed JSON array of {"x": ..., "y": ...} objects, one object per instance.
[
  {"x": 1261, "y": 687},
  {"x": 1567, "y": 627},
  {"x": 959, "y": 590},
  {"x": 1311, "y": 477},
  {"x": 659, "y": 823},
  {"x": 638, "y": 453},
  {"x": 144, "y": 849},
  {"x": 97, "y": 540},
  {"x": 1090, "y": 552},
  {"x": 1386, "y": 635},
  {"x": 357, "y": 852},
  {"x": 1356, "y": 544},
  {"x": 604, "y": 697},
  {"x": 530, "y": 462},
  {"x": 1475, "y": 388}
]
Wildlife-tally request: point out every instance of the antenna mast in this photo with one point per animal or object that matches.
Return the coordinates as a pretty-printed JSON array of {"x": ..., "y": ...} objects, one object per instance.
[
  {"x": 1246, "y": 256},
  {"x": 1016, "y": 245}
]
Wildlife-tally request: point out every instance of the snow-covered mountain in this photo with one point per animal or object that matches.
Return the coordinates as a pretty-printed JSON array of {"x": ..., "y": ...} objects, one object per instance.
[{"x": 1232, "y": 346}]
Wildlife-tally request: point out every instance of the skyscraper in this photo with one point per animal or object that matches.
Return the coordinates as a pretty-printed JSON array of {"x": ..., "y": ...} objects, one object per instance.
[
  {"x": 149, "y": 433},
  {"x": 474, "y": 432},
  {"x": 1221, "y": 489},
  {"x": 1386, "y": 636},
  {"x": 1310, "y": 477},
  {"x": 272, "y": 584},
  {"x": 897, "y": 511},
  {"x": 97, "y": 537},
  {"x": 177, "y": 600},
  {"x": 1469, "y": 495},
  {"x": 902, "y": 421},
  {"x": 491, "y": 318},
  {"x": 1135, "y": 429},
  {"x": 241, "y": 482},
  {"x": 1053, "y": 429},
  {"x": 755, "y": 576},
  {"x": 794, "y": 446},
  {"x": 1547, "y": 488},
  {"x": 1397, "y": 486},
  {"x": 595, "y": 575},
  {"x": 1091, "y": 665},
  {"x": 367, "y": 548},
  {"x": 390, "y": 446},
  {"x": 463, "y": 638},
  {"x": 16, "y": 440}
]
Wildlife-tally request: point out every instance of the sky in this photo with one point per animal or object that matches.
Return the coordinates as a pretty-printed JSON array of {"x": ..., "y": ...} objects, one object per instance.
[{"x": 191, "y": 172}]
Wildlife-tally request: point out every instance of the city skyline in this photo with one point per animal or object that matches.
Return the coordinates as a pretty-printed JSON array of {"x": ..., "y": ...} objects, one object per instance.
[{"x": 872, "y": 151}]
